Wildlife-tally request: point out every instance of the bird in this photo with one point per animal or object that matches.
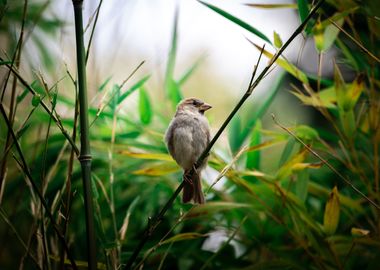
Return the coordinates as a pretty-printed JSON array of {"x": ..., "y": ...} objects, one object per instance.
[{"x": 186, "y": 138}]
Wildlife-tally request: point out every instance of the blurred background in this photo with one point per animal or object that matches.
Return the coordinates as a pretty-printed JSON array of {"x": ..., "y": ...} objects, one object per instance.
[{"x": 270, "y": 203}]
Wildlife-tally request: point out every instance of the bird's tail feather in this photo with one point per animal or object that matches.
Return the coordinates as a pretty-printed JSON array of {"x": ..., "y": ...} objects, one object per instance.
[{"x": 192, "y": 189}]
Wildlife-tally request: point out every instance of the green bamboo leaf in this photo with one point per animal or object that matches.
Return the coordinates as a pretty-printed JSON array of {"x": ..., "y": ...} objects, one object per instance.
[
  {"x": 306, "y": 133},
  {"x": 145, "y": 107},
  {"x": 22, "y": 95},
  {"x": 288, "y": 150},
  {"x": 172, "y": 88},
  {"x": 213, "y": 207},
  {"x": 183, "y": 236},
  {"x": 303, "y": 9},
  {"x": 271, "y": 6},
  {"x": 5, "y": 63},
  {"x": 234, "y": 132},
  {"x": 237, "y": 21},
  {"x": 332, "y": 211},
  {"x": 253, "y": 157},
  {"x": 301, "y": 184},
  {"x": 133, "y": 88},
  {"x": 277, "y": 40},
  {"x": 36, "y": 100},
  {"x": 325, "y": 36},
  {"x": 189, "y": 72},
  {"x": 104, "y": 84}
]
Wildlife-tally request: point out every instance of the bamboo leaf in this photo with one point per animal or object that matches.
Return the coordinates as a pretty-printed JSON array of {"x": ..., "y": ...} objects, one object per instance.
[
  {"x": 253, "y": 157},
  {"x": 36, "y": 100},
  {"x": 183, "y": 236},
  {"x": 303, "y": 9},
  {"x": 22, "y": 96},
  {"x": 277, "y": 40},
  {"x": 234, "y": 132},
  {"x": 145, "y": 107},
  {"x": 288, "y": 150},
  {"x": 301, "y": 185},
  {"x": 158, "y": 169},
  {"x": 104, "y": 84},
  {"x": 306, "y": 133},
  {"x": 189, "y": 72},
  {"x": 172, "y": 88},
  {"x": 124, "y": 227},
  {"x": 151, "y": 156},
  {"x": 359, "y": 232},
  {"x": 133, "y": 88},
  {"x": 237, "y": 21},
  {"x": 271, "y": 6},
  {"x": 213, "y": 207},
  {"x": 332, "y": 211}
]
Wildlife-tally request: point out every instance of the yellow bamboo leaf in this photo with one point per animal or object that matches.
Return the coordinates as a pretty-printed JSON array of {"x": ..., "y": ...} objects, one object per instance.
[
  {"x": 153, "y": 156},
  {"x": 158, "y": 169},
  {"x": 183, "y": 236},
  {"x": 302, "y": 166},
  {"x": 332, "y": 212},
  {"x": 359, "y": 232}
]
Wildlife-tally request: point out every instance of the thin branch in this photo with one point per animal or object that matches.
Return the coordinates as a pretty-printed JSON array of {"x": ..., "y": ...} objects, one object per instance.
[
  {"x": 365, "y": 50},
  {"x": 324, "y": 161},
  {"x": 93, "y": 30},
  {"x": 156, "y": 221}
]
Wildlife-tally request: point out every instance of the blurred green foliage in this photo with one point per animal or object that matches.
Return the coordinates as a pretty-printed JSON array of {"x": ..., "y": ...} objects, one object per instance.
[{"x": 298, "y": 216}]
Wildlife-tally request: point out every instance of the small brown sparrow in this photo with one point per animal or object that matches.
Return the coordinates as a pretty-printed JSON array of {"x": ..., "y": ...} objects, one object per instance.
[{"x": 186, "y": 138}]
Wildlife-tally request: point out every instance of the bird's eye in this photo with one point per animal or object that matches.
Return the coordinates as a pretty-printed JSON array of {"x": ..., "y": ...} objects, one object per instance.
[{"x": 197, "y": 102}]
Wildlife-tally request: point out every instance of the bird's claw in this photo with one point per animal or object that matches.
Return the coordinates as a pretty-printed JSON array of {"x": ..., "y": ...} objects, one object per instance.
[{"x": 187, "y": 178}]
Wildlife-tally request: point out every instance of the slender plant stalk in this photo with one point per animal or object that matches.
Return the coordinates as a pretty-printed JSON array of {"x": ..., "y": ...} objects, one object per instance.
[
  {"x": 85, "y": 154},
  {"x": 152, "y": 224},
  {"x": 93, "y": 30}
]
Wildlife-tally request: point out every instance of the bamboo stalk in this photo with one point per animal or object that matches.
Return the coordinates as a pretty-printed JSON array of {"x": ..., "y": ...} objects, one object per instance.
[{"x": 85, "y": 153}]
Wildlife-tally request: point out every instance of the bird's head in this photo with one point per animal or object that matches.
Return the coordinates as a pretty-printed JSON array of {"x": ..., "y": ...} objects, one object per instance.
[{"x": 193, "y": 105}]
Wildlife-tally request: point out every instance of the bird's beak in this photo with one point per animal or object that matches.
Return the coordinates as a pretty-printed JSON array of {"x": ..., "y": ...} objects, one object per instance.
[{"x": 204, "y": 107}]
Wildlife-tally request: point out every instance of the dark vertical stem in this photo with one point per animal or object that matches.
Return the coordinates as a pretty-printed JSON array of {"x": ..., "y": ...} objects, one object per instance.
[{"x": 85, "y": 154}]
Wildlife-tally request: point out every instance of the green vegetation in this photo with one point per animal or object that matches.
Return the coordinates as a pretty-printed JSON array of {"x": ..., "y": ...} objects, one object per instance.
[{"x": 316, "y": 208}]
